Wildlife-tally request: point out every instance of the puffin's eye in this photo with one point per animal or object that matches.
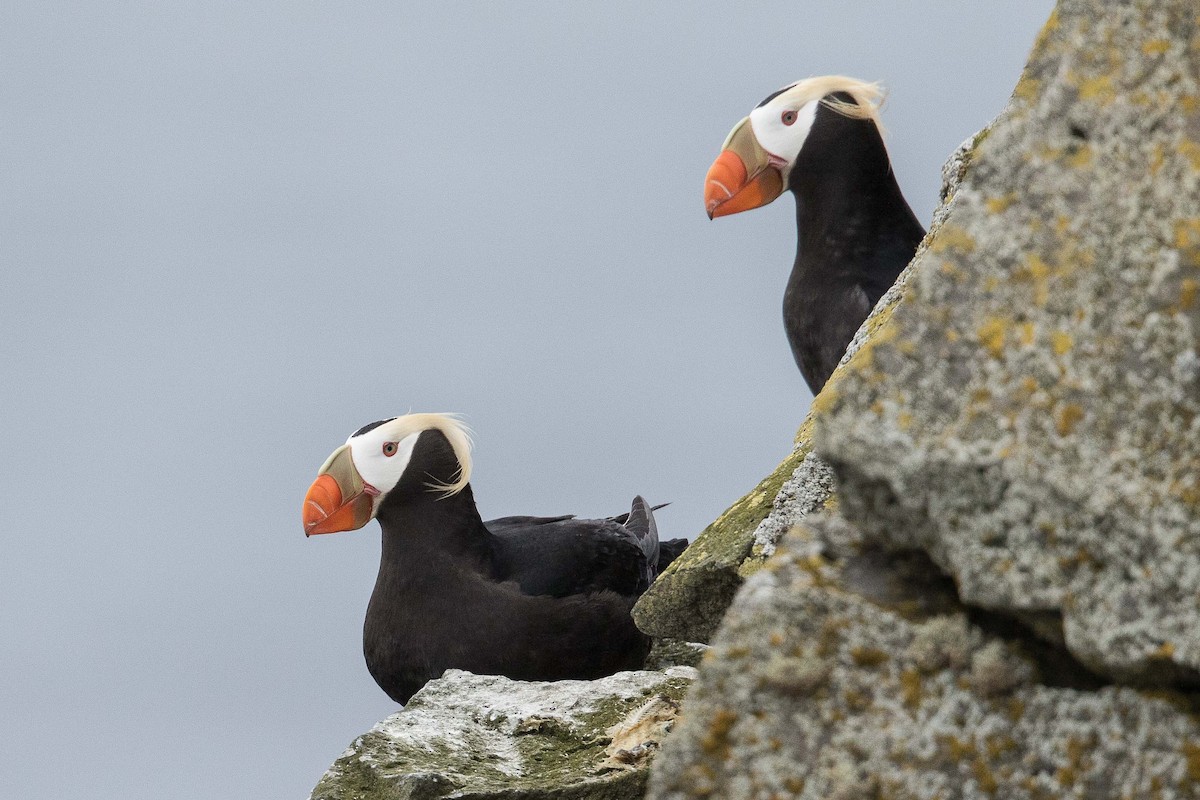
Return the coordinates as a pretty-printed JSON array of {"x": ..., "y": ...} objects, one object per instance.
[
  {"x": 389, "y": 449},
  {"x": 788, "y": 117}
]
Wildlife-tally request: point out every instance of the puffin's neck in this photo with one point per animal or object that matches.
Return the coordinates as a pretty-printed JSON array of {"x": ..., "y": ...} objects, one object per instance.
[
  {"x": 850, "y": 217},
  {"x": 425, "y": 530}
]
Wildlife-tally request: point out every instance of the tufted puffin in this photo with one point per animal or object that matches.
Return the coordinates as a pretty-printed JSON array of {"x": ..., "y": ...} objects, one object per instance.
[
  {"x": 820, "y": 139},
  {"x": 531, "y": 598}
]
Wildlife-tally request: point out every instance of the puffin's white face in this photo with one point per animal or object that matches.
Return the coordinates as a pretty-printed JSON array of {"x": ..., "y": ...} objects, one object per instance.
[
  {"x": 381, "y": 456},
  {"x": 781, "y": 126},
  {"x": 354, "y": 480}
]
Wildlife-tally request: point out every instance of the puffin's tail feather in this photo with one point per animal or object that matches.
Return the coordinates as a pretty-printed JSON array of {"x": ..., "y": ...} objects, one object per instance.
[
  {"x": 621, "y": 519},
  {"x": 641, "y": 525}
]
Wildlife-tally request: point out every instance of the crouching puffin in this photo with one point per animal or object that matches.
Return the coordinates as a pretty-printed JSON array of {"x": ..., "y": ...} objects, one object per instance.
[
  {"x": 531, "y": 598},
  {"x": 820, "y": 139}
]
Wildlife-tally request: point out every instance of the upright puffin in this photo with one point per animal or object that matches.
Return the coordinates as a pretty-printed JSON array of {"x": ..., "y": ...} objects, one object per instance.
[
  {"x": 820, "y": 138},
  {"x": 532, "y": 598}
]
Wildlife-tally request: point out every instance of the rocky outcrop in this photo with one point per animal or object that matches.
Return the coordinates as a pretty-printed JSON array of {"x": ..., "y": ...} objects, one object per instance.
[
  {"x": 1000, "y": 598},
  {"x": 1031, "y": 417},
  {"x": 482, "y": 736},
  {"x": 843, "y": 673}
]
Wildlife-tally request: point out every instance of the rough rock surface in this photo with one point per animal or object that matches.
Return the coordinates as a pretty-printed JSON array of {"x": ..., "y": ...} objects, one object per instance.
[
  {"x": 482, "y": 736},
  {"x": 1030, "y": 414},
  {"x": 674, "y": 653},
  {"x": 688, "y": 600},
  {"x": 839, "y": 675}
]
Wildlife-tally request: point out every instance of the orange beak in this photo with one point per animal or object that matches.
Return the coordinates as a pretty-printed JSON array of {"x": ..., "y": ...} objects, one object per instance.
[
  {"x": 338, "y": 499},
  {"x": 744, "y": 176}
]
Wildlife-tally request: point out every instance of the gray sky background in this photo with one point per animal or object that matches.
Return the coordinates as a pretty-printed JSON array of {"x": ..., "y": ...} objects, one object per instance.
[{"x": 231, "y": 233}]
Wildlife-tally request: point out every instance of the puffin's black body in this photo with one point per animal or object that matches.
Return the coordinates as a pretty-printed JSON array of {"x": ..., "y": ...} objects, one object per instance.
[
  {"x": 820, "y": 139},
  {"x": 526, "y": 597},
  {"x": 855, "y": 234}
]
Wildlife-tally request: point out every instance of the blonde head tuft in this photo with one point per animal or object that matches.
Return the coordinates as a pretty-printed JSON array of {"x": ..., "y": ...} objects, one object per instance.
[
  {"x": 868, "y": 97},
  {"x": 455, "y": 431}
]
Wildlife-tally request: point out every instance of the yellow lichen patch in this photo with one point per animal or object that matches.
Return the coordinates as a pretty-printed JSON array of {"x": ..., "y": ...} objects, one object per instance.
[
  {"x": 1043, "y": 38},
  {"x": 1188, "y": 289},
  {"x": 1077, "y": 758},
  {"x": 999, "y": 744},
  {"x": 868, "y": 656},
  {"x": 910, "y": 688},
  {"x": 951, "y": 335},
  {"x": 716, "y": 739},
  {"x": 1099, "y": 89},
  {"x": 1047, "y": 152},
  {"x": 1067, "y": 418},
  {"x": 829, "y": 636},
  {"x": 984, "y": 777},
  {"x": 1163, "y": 652},
  {"x": 952, "y": 237},
  {"x": 1029, "y": 384},
  {"x": 1028, "y": 332},
  {"x": 1191, "y": 755},
  {"x": 956, "y": 749},
  {"x": 991, "y": 335},
  {"x": 860, "y": 362},
  {"x": 1156, "y": 47},
  {"x": 1187, "y": 490},
  {"x": 997, "y": 205},
  {"x": 1061, "y": 341},
  {"x": 1191, "y": 151},
  {"x": 857, "y": 700},
  {"x": 825, "y": 400},
  {"x": 1036, "y": 271},
  {"x": 949, "y": 268},
  {"x": 1039, "y": 270},
  {"x": 1080, "y": 157},
  {"x": 1157, "y": 158},
  {"x": 904, "y": 420},
  {"x": 1187, "y": 233},
  {"x": 1028, "y": 89}
]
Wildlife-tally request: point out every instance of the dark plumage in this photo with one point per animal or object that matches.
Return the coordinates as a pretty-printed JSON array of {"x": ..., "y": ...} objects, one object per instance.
[
  {"x": 855, "y": 231},
  {"x": 532, "y": 598},
  {"x": 854, "y": 234}
]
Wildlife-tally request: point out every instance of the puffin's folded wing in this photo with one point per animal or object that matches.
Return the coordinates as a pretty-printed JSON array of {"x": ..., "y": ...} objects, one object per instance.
[{"x": 571, "y": 556}]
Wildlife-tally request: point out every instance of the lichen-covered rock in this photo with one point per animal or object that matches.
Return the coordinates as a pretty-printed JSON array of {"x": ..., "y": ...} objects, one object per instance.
[
  {"x": 674, "y": 653},
  {"x": 830, "y": 681},
  {"x": 1030, "y": 414},
  {"x": 483, "y": 736},
  {"x": 688, "y": 600}
]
